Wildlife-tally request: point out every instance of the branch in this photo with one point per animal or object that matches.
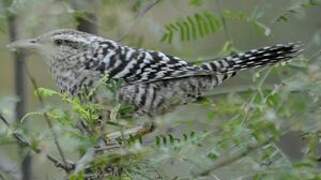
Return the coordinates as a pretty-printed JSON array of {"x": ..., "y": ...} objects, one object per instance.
[
  {"x": 103, "y": 146},
  {"x": 4, "y": 120},
  {"x": 48, "y": 120},
  {"x": 138, "y": 17},
  {"x": 23, "y": 140},
  {"x": 19, "y": 81},
  {"x": 147, "y": 8},
  {"x": 231, "y": 158}
]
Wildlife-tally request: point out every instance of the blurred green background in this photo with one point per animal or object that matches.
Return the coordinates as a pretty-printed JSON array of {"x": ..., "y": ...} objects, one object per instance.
[{"x": 120, "y": 19}]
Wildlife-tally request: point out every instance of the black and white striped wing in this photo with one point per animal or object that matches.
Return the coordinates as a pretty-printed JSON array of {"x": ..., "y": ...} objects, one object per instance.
[
  {"x": 153, "y": 66},
  {"x": 139, "y": 65}
]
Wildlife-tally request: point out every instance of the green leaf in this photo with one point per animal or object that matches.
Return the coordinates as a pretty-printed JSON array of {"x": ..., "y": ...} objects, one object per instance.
[
  {"x": 196, "y": 26},
  {"x": 263, "y": 27},
  {"x": 296, "y": 8},
  {"x": 196, "y": 2},
  {"x": 77, "y": 176},
  {"x": 43, "y": 92},
  {"x": 26, "y": 116},
  {"x": 251, "y": 19},
  {"x": 213, "y": 155}
]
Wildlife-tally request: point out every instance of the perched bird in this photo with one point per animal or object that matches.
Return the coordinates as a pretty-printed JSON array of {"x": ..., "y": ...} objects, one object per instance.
[{"x": 153, "y": 82}]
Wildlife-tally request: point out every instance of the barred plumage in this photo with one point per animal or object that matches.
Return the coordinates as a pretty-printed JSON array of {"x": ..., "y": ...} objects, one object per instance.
[
  {"x": 254, "y": 58},
  {"x": 153, "y": 81}
]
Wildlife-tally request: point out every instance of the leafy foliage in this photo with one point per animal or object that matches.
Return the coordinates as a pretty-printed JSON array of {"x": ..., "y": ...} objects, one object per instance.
[
  {"x": 252, "y": 19},
  {"x": 206, "y": 23},
  {"x": 297, "y": 8},
  {"x": 192, "y": 27}
]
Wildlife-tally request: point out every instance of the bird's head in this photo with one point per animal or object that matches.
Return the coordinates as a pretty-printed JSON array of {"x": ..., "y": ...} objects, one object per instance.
[{"x": 57, "y": 44}]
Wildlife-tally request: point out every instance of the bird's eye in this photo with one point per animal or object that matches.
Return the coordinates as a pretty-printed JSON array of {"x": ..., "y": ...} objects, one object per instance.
[
  {"x": 64, "y": 42},
  {"x": 58, "y": 42}
]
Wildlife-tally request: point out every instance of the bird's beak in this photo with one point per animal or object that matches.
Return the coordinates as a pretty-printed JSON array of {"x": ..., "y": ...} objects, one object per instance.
[{"x": 23, "y": 44}]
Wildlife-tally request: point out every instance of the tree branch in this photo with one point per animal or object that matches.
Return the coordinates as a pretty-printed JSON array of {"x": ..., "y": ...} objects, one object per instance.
[
  {"x": 231, "y": 158},
  {"x": 20, "y": 84},
  {"x": 23, "y": 140},
  {"x": 4, "y": 120},
  {"x": 138, "y": 16},
  {"x": 48, "y": 120}
]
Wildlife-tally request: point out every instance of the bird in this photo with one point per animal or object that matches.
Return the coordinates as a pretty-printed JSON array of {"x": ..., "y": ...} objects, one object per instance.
[{"x": 151, "y": 81}]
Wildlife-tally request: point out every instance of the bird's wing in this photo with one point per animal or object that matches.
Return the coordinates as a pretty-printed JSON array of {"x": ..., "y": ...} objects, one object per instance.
[
  {"x": 154, "y": 66},
  {"x": 139, "y": 65}
]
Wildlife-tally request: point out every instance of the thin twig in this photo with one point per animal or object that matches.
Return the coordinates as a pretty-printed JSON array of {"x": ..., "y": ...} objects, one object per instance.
[
  {"x": 258, "y": 92},
  {"x": 91, "y": 153},
  {"x": 146, "y": 9},
  {"x": 4, "y": 120},
  {"x": 107, "y": 148},
  {"x": 228, "y": 158},
  {"x": 48, "y": 120},
  {"x": 138, "y": 17},
  {"x": 23, "y": 140},
  {"x": 231, "y": 158}
]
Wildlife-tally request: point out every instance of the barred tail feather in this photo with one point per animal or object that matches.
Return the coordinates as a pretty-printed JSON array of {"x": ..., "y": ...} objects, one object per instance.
[{"x": 254, "y": 58}]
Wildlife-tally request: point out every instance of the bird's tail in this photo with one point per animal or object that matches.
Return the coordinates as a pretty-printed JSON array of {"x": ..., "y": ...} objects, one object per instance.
[{"x": 254, "y": 58}]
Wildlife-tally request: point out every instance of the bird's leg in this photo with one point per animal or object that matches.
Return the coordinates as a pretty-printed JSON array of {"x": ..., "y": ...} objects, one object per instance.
[{"x": 138, "y": 131}]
